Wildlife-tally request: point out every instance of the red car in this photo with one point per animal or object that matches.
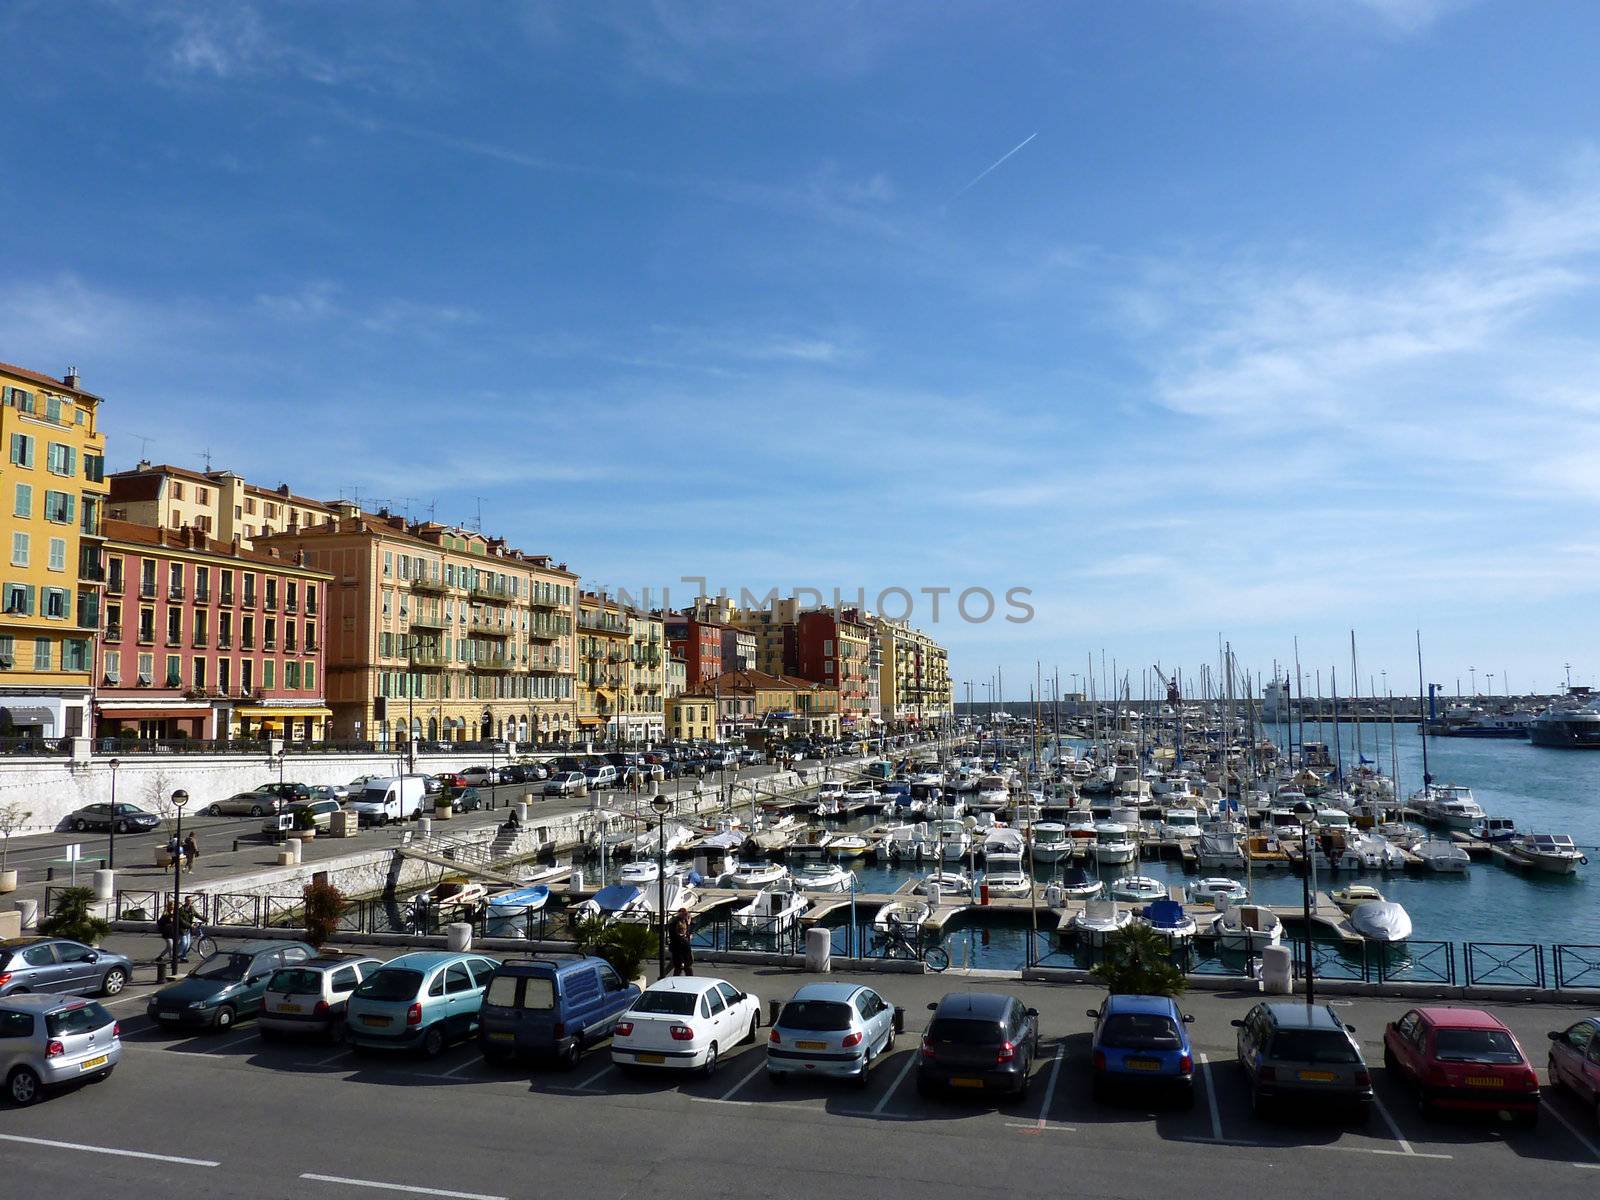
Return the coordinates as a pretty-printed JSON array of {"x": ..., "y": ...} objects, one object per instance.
[
  {"x": 451, "y": 781},
  {"x": 1462, "y": 1059},
  {"x": 1575, "y": 1061}
]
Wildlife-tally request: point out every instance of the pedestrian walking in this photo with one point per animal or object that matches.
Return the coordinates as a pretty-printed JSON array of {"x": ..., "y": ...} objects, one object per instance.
[
  {"x": 678, "y": 947},
  {"x": 191, "y": 851}
]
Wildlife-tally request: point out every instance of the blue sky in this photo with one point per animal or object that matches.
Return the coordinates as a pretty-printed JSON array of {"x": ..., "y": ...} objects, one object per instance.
[{"x": 1281, "y": 324}]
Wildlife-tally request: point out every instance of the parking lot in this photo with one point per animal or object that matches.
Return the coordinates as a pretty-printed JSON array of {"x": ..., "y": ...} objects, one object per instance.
[{"x": 269, "y": 1114}]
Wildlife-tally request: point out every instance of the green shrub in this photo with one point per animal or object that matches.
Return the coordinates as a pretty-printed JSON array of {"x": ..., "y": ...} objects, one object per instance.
[
  {"x": 72, "y": 918},
  {"x": 323, "y": 904},
  {"x": 1138, "y": 962}
]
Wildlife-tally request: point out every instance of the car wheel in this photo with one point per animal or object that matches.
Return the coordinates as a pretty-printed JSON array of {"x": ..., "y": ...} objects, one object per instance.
[
  {"x": 80, "y": 825},
  {"x": 224, "y": 1019},
  {"x": 750, "y": 1037},
  {"x": 864, "y": 1076},
  {"x": 213, "y": 811},
  {"x": 22, "y": 1086},
  {"x": 255, "y": 810},
  {"x": 433, "y": 1042},
  {"x": 572, "y": 1056},
  {"x": 122, "y": 827},
  {"x": 116, "y": 979},
  {"x": 710, "y": 1067},
  {"x": 1390, "y": 1062}
]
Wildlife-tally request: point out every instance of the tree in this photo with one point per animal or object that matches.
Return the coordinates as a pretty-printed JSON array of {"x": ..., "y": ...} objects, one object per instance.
[
  {"x": 624, "y": 944},
  {"x": 158, "y": 795},
  {"x": 323, "y": 905},
  {"x": 12, "y": 818},
  {"x": 72, "y": 918},
  {"x": 1138, "y": 961}
]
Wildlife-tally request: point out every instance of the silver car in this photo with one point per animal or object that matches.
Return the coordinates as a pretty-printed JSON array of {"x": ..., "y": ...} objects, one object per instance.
[
  {"x": 246, "y": 804},
  {"x": 50, "y": 1041},
  {"x": 46, "y": 964}
]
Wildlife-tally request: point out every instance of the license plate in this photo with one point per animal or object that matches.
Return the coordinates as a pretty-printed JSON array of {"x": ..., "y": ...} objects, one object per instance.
[
  {"x": 966, "y": 1083},
  {"x": 1317, "y": 1077},
  {"x": 651, "y": 1058},
  {"x": 811, "y": 1045},
  {"x": 167, "y": 1016},
  {"x": 92, "y": 1063},
  {"x": 496, "y": 1036},
  {"x": 1485, "y": 1081},
  {"x": 290, "y": 1008},
  {"x": 1141, "y": 1064},
  {"x": 371, "y": 1020}
]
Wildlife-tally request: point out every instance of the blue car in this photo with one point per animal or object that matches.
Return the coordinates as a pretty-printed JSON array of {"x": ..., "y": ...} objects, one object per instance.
[{"x": 1142, "y": 1042}]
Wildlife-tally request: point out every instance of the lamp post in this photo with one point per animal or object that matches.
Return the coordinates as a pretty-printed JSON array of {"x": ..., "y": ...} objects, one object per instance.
[
  {"x": 411, "y": 703},
  {"x": 1305, "y": 845},
  {"x": 179, "y": 799},
  {"x": 111, "y": 853},
  {"x": 661, "y": 804}
]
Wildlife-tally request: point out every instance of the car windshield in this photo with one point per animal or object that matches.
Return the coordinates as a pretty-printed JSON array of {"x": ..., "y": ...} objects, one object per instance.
[
  {"x": 297, "y": 983},
  {"x": 1139, "y": 1031},
  {"x": 86, "y": 1018},
  {"x": 963, "y": 1032},
  {"x": 674, "y": 1004},
  {"x": 1475, "y": 1045},
  {"x": 815, "y": 1015},
  {"x": 223, "y": 966},
  {"x": 390, "y": 983},
  {"x": 1313, "y": 1045}
]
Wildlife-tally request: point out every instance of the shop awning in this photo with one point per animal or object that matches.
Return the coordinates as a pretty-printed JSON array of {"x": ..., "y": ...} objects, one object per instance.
[
  {"x": 582, "y": 720},
  {"x": 183, "y": 711},
  {"x": 254, "y": 713}
]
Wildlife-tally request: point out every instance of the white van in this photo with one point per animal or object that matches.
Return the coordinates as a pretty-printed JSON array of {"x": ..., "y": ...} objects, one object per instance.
[{"x": 397, "y": 798}]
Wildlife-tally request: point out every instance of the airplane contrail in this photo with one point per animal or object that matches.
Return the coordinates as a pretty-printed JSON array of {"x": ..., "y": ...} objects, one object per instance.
[{"x": 996, "y": 163}]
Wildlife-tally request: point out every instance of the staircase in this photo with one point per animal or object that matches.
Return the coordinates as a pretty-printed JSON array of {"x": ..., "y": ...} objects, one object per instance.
[{"x": 471, "y": 857}]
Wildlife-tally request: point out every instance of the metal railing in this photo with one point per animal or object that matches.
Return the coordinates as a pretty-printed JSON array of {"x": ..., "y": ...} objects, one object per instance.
[
  {"x": 1504, "y": 964},
  {"x": 1576, "y": 966},
  {"x": 33, "y": 746}
]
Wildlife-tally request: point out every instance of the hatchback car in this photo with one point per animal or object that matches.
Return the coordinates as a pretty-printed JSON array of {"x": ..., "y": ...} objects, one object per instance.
[
  {"x": 838, "y": 1029},
  {"x": 127, "y": 818},
  {"x": 1575, "y": 1061},
  {"x": 321, "y": 815},
  {"x": 311, "y": 997},
  {"x": 1142, "y": 1042},
  {"x": 48, "y": 1042},
  {"x": 978, "y": 1041},
  {"x": 247, "y": 804},
  {"x": 565, "y": 783},
  {"x": 419, "y": 1001},
  {"x": 1462, "y": 1059},
  {"x": 551, "y": 1007},
  {"x": 1290, "y": 1052},
  {"x": 226, "y": 987},
  {"x": 601, "y": 775},
  {"x": 44, "y": 964},
  {"x": 684, "y": 1023},
  {"x": 292, "y": 792}
]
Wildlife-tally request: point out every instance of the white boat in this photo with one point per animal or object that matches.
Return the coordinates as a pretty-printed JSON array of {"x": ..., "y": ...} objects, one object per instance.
[
  {"x": 1098, "y": 920},
  {"x": 1206, "y": 891},
  {"x": 1495, "y": 829},
  {"x": 745, "y": 874},
  {"x": 1356, "y": 894},
  {"x": 450, "y": 897},
  {"x": 1448, "y": 804},
  {"x": 1220, "y": 848},
  {"x": 1004, "y": 841},
  {"x": 645, "y": 870},
  {"x": 1552, "y": 852},
  {"x": 953, "y": 840},
  {"x": 1113, "y": 844},
  {"x": 620, "y": 900},
  {"x": 1003, "y": 876},
  {"x": 771, "y": 911},
  {"x": 1181, "y": 823},
  {"x": 848, "y": 845},
  {"x": 907, "y": 914},
  {"x": 949, "y": 880},
  {"x": 1381, "y": 921},
  {"x": 506, "y": 913},
  {"x": 859, "y": 796},
  {"x": 1447, "y": 858},
  {"x": 1138, "y": 889},
  {"x": 1077, "y": 884},
  {"x": 1050, "y": 842},
  {"x": 1246, "y": 928},
  {"x": 823, "y": 877},
  {"x": 1167, "y": 918}
]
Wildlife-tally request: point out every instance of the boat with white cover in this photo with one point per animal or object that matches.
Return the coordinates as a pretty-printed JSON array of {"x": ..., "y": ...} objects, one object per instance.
[
  {"x": 951, "y": 881},
  {"x": 1003, "y": 876},
  {"x": 1381, "y": 921},
  {"x": 1246, "y": 928},
  {"x": 1206, "y": 891},
  {"x": 1138, "y": 888},
  {"x": 1098, "y": 920},
  {"x": 1113, "y": 844},
  {"x": 772, "y": 910},
  {"x": 745, "y": 874},
  {"x": 823, "y": 877},
  {"x": 1443, "y": 857},
  {"x": 907, "y": 914}
]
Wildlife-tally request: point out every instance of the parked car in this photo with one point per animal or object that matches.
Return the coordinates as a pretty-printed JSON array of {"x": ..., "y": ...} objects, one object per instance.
[
  {"x": 1575, "y": 1061},
  {"x": 388, "y": 798},
  {"x": 46, "y": 964},
  {"x": 470, "y": 800},
  {"x": 225, "y": 987},
  {"x": 1462, "y": 1059},
  {"x": 480, "y": 776},
  {"x": 49, "y": 1041},
  {"x": 419, "y": 1001},
  {"x": 329, "y": 791},
  {"x": 247, "y": 804},
  {"x": 552, "y": 1007},
  {"x": 1293, "y": 1053},
  {"x": 526, "y": 773},
  {"x": 566, "y": 783},
  {"x": 685, "y": 1023},
  {"x": 128, "y": 818},
  {"x": 321, "y": 815},
  {"x": 1142, "y": 1042},
  {"x": 838, "y": 1029},
  {"x": 291, "y": 792},
  {"x": 601, "y": 775},
  {"x": 978, "y": 1041},
  {"x": 311, "y": 996},
  {"x": 452, "y": 781}
]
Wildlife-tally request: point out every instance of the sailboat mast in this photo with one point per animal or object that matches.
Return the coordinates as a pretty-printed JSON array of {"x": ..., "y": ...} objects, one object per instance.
[{"x": 1422, "y": 715}]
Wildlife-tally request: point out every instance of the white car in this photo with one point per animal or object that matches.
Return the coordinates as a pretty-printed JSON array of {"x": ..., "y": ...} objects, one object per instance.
[{"x": 685, "y": 1024}]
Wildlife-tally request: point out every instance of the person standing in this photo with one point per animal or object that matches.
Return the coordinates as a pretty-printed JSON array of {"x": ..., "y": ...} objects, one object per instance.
[
  {"x": 191, "y": 851},
  {"x": 678, "y": 945}
]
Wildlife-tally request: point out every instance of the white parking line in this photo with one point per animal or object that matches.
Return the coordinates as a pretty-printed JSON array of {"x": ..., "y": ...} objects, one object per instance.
[
  {"x": 588, "y": 1084},
  {"x": 728, "y": 1095},
  {"x": 454, "y": 1071},
  {"x": 883, "y": 1102},
  {"x": 1407, "y": 1153},
  {"x": 1211, "y": 1099},
  {"x": 1050, "y": 1089},
  {"x": 332, "y": 1058},
  {"x": 167, "y": 1158},
  {"x": 1394, "y": 1129},
  {"x": 1573, "y": 1130},
  {"x": 252, "y": 1036},
  {"x": 399, "y": 1187}
]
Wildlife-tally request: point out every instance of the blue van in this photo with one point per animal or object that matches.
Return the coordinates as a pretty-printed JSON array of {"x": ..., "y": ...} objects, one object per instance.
[{"x": 551, "y": 1007}]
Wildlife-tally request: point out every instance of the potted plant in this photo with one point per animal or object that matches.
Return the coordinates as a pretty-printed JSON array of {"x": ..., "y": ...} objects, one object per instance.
[
  {"x": 72, "y": 918},
  {"x": 305, "y": 825},
  {"x": 1138, "y": 962},
  {"x": 626, "y": 945},
  {"x": 323, "y": 905},
  {"x": 12, "y": 818}
]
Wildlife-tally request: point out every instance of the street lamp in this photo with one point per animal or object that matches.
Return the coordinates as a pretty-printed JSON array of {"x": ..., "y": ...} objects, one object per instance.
[
  {"x": 661, "y": 804},
  {"x": 111, "y": 853},
  {"x": 179, "y": 799},
  {"x": 411, "y": 691},
  {"x": 1305, "y": 899}
]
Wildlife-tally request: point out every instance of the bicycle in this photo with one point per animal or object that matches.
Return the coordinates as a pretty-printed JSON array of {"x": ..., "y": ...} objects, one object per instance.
[
  {"x": 201, "y": 942},
  {"x": 898, "y": 944}
]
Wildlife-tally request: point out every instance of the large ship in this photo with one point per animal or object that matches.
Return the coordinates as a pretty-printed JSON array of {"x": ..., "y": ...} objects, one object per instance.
[{"x": 1574, "y": 725}]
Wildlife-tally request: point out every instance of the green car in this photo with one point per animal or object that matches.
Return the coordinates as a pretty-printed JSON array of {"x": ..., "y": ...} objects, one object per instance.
[
  {"x": 225, "y": 987},
  {"x": 419, "y": 1001}
]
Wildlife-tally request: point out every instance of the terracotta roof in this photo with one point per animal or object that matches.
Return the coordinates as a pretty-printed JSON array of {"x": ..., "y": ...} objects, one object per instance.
[
  {"x": 49, "y": 381},
  {"x": 733, "y": 682},
  {"x": 131, "y": 533}
]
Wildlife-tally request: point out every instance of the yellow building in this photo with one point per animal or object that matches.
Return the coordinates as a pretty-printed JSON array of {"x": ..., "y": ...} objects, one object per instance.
[
  {"x": 602, "y": 653},
  {"x": 739, "y": 702},
  {"x": 692, "y": 718},
  {"x": 913, "y": 676},
  {"x": 219, "y": 504},
  {"x": 442, "y": 631},
  {"x": 642, "y": 704},
  {"x": 53, "y": 488}
]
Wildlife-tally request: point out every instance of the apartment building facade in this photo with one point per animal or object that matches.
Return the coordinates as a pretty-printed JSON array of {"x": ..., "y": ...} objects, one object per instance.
[
  {"x": 220, "y": 504},
  {"x": 602, "y": 664}
]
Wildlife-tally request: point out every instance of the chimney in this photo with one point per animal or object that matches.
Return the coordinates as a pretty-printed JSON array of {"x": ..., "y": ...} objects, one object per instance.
[{"x": 71, "y": 378}]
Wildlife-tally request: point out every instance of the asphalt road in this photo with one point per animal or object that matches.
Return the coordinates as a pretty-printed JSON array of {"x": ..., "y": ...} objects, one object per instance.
[{"x": 231, "y": 1116}]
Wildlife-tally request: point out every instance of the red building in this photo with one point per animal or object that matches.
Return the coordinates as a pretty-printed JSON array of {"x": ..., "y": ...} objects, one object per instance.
[
  {"x": 835, "y": 652},
  {"x": 698, "y": 643},
  {"x": 207, "y": 640}
]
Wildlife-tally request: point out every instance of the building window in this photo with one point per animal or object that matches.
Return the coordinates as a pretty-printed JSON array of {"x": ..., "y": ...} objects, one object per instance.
[
  {"x": 246, "y": 675},
  {"x": 388, "y": 563},
  {"x": 291, "y": 676},
  {"x": 59, "y": 507},
  {"x": 227, "y": 586},
  {"x": 113, "y": 666},
  {"x": 267, "y": 671},
  {"x": 21, "y": 450},
  {"x": 147, "y": 666},
  {"x": 249, "y": 589},
  {"x": 199, "y": 665},
  {"x": 23, "y": 505},
  {"x": 177, "y": 490},
  {"x": 202, "y": 496},
  {"x": 41, "y": 654},
  {"x": 58, "y": 554},
  {"x": 61, "y": 460},
  {"x": 75, "y": 654},
  {"x": 57, "y": 603},
  {"x": 19, "y": 549},
  {"x": 202, "y": 584},
  {"x": 174, "y": 626},
  {"x": 224, "y": 672},
  {"x": 175, "y": 580},
  {"x": 19, "y": 599}
]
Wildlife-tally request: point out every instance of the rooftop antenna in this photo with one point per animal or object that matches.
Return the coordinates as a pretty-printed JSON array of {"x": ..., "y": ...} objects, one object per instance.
[
  {"x": 144, "y": 446},
  {"x": 479, "y": 523},
  {"x": 206, "y": 455}
]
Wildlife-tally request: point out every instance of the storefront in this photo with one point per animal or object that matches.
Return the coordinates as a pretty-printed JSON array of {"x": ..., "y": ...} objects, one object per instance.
[
  {"x": 155, "y": 722},
  {"x": 292, "y": 724}
]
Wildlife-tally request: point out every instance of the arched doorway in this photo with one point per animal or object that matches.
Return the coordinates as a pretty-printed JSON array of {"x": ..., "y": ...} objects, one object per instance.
[
  {"x": 433, "y": 729},
  {"x": 486, "y": 726}
]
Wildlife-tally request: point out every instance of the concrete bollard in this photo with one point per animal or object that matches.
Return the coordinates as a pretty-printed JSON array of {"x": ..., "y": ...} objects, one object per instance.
[
  {"x": 29, "y": 910},
  {"x": 575, "y": 881},
  {"x": 931, "y": 891},
  {"x": 294, "y": 847},
  {"x": 524, "y": 811},
  {"x": 424, "y": 826},
  {"x": 458, "y": 936},
  {"x": 105, "y": 886},
  {"x": 1277, "y": 971},
  {"x": 819, "y": 950}
]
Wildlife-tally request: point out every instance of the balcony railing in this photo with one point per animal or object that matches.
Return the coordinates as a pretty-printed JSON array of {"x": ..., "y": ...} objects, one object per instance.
[
  {"x": 310, "y": 647},
  {"x": 226, "y": 596},
  {"x": 147, "y": 589},
  {"x": 423, "y": 621},
  {"x": 435, "y": 587},
  {"x": 114, "y": 585},
  {"x": 175, "y": 591},
  {"x": 174, "y": 639},
  {"x": 224, "y": 641},
  {"x": 247, "y": 642},
  {"x": 269, "y": 643},
  {"x": 200, "y": 641},
  {"x": 493, "y": 662},
  {"x": 433, "y": 660},
  {"x": 249, "y": 598},
  {"x": 113, "y": 633},
  {"x": 290, "y": 605},
  {"x": 270, "y": 604},
  {"x": 202, "y": 595},
  {"x": 487, "y": 591},
  {"x": 147, "y": 637}
]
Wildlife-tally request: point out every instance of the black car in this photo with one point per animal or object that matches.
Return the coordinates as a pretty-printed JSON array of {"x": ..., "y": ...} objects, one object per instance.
[
  {"x": 128, "y": 818},
  {"x": 292, "y": 792},
  {"x": 982, "y": 1042}
]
